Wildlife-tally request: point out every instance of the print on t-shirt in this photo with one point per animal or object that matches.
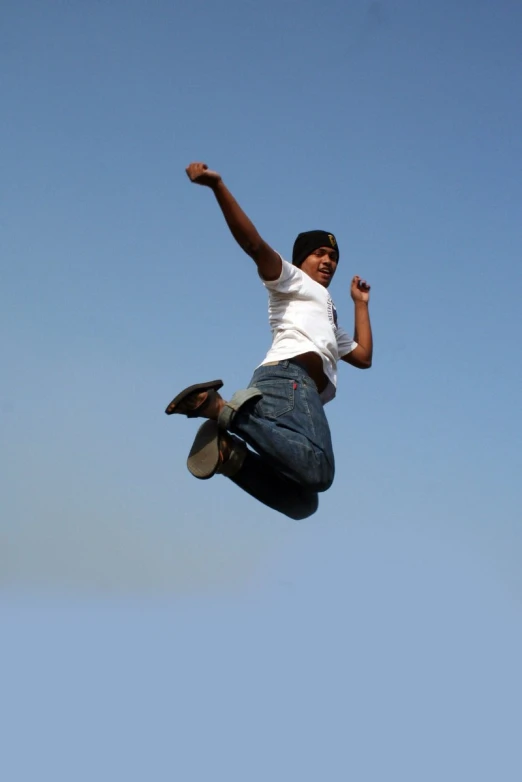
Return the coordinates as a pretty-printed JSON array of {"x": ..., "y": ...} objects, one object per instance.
[{"x": 332, "y": 312}]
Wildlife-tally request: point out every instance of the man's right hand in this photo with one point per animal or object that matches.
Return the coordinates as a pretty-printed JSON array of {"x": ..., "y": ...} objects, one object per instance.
[
  {"x": 242, "y": 229},
  {"x": 199, "y": 174}
]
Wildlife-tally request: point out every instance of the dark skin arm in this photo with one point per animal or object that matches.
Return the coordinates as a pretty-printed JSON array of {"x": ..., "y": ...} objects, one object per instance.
[
  {"x": 269, "y": 263},
  {"x": 242, "y": 229},
  {"x": 361, "y": 356}
]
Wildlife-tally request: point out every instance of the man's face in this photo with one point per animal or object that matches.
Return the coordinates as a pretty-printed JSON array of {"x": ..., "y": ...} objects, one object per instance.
[{"x": 321, "y": 265}]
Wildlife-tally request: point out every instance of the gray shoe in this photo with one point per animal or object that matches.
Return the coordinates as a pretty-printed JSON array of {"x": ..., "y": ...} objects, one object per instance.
[{"x": 207, "y": 455}]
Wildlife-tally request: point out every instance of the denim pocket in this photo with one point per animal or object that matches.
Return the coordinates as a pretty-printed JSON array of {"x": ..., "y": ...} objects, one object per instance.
[{"x": 278, "y": 397}]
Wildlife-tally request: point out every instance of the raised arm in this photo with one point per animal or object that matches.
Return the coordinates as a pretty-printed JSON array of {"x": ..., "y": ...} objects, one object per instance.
[
  {"x": 361, "y": 356},
  {"x": 242, "y": 229}
]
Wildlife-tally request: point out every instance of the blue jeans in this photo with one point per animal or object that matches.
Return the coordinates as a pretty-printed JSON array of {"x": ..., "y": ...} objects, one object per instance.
[{"x": 288, "y": 429}]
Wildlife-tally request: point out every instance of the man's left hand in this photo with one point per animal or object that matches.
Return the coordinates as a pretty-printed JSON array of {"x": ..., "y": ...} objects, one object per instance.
[{"x": 360, "y": 290}]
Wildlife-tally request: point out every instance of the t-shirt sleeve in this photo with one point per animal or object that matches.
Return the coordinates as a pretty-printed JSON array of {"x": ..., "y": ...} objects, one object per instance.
[
  {"x": 345, "y": 344},
  {"x": 290, "y": 280}
]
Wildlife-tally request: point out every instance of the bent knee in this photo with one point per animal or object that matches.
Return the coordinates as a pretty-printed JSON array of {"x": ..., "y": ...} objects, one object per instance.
[
  {"x": 319, "y": 480},
  {"x": 314, "y": 477},
  {"x": 323, "y": 485},
  {"x": 303, "y": 508}
]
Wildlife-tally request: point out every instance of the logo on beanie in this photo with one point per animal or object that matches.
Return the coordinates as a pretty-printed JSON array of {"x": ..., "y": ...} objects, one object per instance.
[{"x": 332, "y": 240}]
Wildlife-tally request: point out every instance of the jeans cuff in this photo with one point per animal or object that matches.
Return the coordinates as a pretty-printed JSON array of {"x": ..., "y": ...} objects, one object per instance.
[{"x": 232, "y": 407}]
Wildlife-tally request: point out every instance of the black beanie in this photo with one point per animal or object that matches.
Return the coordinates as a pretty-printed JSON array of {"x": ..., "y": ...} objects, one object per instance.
[{"x": 309, "y": 241}]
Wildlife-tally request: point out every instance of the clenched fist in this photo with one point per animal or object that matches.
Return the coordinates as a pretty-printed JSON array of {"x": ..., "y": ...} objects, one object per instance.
[
  {"x": 360, "y": 290},
  {"x": 200, "y": 174}
]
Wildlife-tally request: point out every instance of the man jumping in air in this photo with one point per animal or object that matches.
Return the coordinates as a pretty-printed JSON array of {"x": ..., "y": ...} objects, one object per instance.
[{"x": 280, "y": 415}]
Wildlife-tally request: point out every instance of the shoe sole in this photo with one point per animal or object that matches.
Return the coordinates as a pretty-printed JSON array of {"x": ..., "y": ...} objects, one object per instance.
[{"x": 203, "y": 459}]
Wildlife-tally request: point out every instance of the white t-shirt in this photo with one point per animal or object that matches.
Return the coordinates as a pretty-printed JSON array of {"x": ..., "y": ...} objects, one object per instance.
[{"x": 303, "y": 319}]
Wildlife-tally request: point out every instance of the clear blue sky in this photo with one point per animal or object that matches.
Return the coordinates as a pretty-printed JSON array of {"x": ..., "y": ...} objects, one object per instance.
[{"x": 157, "y": 627}]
